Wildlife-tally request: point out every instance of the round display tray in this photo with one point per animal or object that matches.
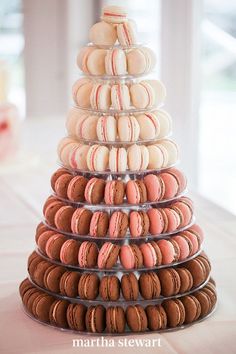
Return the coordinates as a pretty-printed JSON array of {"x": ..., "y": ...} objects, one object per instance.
[
  {"x": 126, "y": 205},
  {"x": 121, "y": 301},
  {"x": 117, "y": 268},
  {"x": 115, "y": 175},
  {"x": 127, "y": 332},
  {"x": 122, "y": 239},
  {"x": 112, "y": 111}
]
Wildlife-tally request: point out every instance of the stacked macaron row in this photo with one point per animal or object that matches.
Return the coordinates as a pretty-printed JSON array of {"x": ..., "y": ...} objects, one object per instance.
[
  {"x": 152, "y": 188},
  {"x": 104, "y": 96},
  {"x": 115, "y": 224},
  {"x": 101, "y": 158},
  {"x": 166, "y": 282},
  {"x": 113, "y": 256},
  {"x": 116, "y": 61},
  {"x": 138, "y": 127},
  {"x": 117, "y": 319}
]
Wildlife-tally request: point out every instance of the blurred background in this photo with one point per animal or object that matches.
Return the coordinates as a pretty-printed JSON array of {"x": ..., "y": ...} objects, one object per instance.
[{"x": 195, "y": 43}]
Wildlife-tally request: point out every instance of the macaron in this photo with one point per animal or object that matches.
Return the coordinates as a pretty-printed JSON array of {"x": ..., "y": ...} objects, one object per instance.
[
  {"x": 52, "y": 277},
  {"x": 97, "y": 158},
  {"x": 69, "y": 252},
  {"x": 186, "y": 280},
  {"x": 154, "y": 186},
  {"x": 149, "y": 126},
  {"x": 81, "y": 91},
  {"x": 94, "y": 191},
  {"x": 131, "y": 257},
  {"x": 48, "y": 201},
  {"x": 120, "y": 96},
  {"x": 61, "y": 185},
  {"x": 158, "y": 156},
  {"x": 41, "y": 306},
  {"x": 136, "y": 192},
  {"x": 99, "y": 224},
  {"x": 192, "y": 308},
  {"x": 126, "y": 33},
  {"x": 171, "y": 185},
  {"x": 69, "y": 283},
  {"x": 140, "y": 60},
  {"x": 88, "y": 286},
  {"x": 109, "y": 288},
  {"x": 95, "y": 319},
  {"x": 210, "y": 290},
  {"x": 149, "y": 285},
  {"x": 80, "y": 221},
  {"x": 204, "y": 301},
  {"x": 59, "y": 172},
  {"x": 136, "y": 318},
  {"x": 197, "y": 230},
  {"x": 128, "y": 128},
  {"x": 100, "y": 97},
  {"x": 157, "y": 221},
  {"x": 142, "y": 95},
  {"x": 29, "y": 297},
  {"x": 77, "y": 158},
  {"x": 198, "y": 271},
  {"x": 107, "y": 128},
  {"x": 118, "y": 159},
  {"x": 57, "y": 313},
  {"x": 102, "y": 33},
  {"x": 138, "y": 157},
  {"x": 114, "y": 192},
  {"x": 152, "y": 255},
  {"x": 50, "y": 211},
  {"x": 165, "y": 121},
  {"x": 114, "y": 14},
  {"x": 180, "y": 178},
  {"x": 175, "y": 312},
  {"x": 63, "y": 218},
  {"x": 53, "y": 246},
  {"x": 130, "y": 287},
  {"x": 24, "y": 286},
  {"x": 39, "y": 271},
  {"x": 172, "y": 150},
  {"x": 156, "y": 316},
  {"x": 118, "y": 224},
  {"x": 115, "y": 319},
  {"x": 82, "y": 58},
  {"x": 138, "y": 223},
  {"x": 88, "y": 254},
  {"x": 173, "y": 219},
  {"x": 184, "y": 212},
  {"x": 42, "y": 240},
  {"x": 108, "y": 255},
  {"x": 160, "y": 91},
  {"x": 191, "y": 239},
  {"x": 73, "y": 117},
  {"x": 183, "y": 246},
  {"x": 86, "y": 127},
  {"x": 170, "y": 281},
  {"x": 76, "y": 188},
  {"x": 75, "y": 315},
  {"x": 167, "y": 251},
  {"x": 115, "y": 62},
  {"x": 96, "y": 61}
]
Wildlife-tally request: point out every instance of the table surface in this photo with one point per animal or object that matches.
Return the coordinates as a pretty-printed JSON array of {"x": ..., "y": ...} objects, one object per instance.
[{"x": 23, "y": 188}]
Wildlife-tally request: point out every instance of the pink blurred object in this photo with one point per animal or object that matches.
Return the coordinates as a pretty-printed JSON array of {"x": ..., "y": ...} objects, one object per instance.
[{"x": 9, "y": 131}]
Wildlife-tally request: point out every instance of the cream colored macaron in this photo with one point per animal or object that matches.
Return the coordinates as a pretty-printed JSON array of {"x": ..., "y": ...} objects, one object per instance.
[
  {"x": 142, "y": 95},
  {"x": 118, "y": 159},
  {"x": 114, "y": 14},
  {"x": 97, "y": 158},
  {"x": 158, "y": 156},
  {"x": 128, "y": 128},
  {"x": 103, "y": 34},
  {"x": 86, "y": 127},
  {"x": 81, "y": 91},
  {"x": 165, "y": 121},
  {"x": 138, "y": 157},
  {"x": 96, "y": 62},
  {"x": 107, "y": 128},
  {"x": 149, "y": 126}
]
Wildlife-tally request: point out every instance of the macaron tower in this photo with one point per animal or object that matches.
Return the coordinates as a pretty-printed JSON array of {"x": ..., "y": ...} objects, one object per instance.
[{"x": 118, "y": 250}]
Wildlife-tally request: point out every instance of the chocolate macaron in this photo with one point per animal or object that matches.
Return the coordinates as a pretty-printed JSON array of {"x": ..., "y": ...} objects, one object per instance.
[
  {"x": 75, "y": 316},
  {"x": 41, "y": 306},
  {"x": 88, "y": 286},
  {"x": 61, "y": 185},
  {"x": 57, "y": 313},
  {"x": 192, "y": 308},
  {"x": 186, "y": 280},
  {"x": 150, "y": 286},
  {"x": 76, "y": 188},
  {"x": 157, "y": 318},
  {"x": 69, "y": 252},
  {"x": 109, "y": 288},
  {"x": 115, "y": 319},
  {"x": 69, "y": 283},
  {"x": 52, "y": 277},
  {"x": 63, "y": 217},
  {"x": 170, "y": 281},
  {"x": 175, "y": 311},
  {"x": 136, "y": 318},
  {"x": 95, "y": 319},
  {"x": 130, "y": 287},
  {"x": 80, "y": 221}
]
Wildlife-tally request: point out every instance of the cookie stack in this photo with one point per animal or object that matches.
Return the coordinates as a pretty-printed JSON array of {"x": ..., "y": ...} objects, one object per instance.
[{"x": 118, "y": 250}]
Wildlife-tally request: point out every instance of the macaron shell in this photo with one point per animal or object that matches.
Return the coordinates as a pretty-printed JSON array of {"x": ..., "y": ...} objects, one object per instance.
[{"x": 167, "y": 250}]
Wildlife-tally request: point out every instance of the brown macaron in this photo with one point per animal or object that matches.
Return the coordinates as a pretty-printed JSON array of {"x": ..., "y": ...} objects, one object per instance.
[
  {"x": 130, "y": 287},
  {"x": 31, "y": 299},
  {"x": 99, "y": 224},
  {"x": 48, "y": 201},
  {"x": 115, "y": 319},
  {"x": 29, "y": 293},
  {"x": 24, "y": 286},
  {"x": 88, "y": 254},
  {"x": 52, "y": 277},
  {"x": 136, "y": 318},
  {"x": 39, "y": 271},
  {"x": 109, "y": 288},
  {"x": 61, "y": 185},
  {"x": 175, "y": 312},
  {"x": 41, "y": 306},
  {"x": 56, "y": 175},
  {"x": 88, "y": 286},
  {"x": 69, "y": 252},
  {"x": 170, "y": 281},
  {"x": 51, "y": 210},
  {"x": 75, "y": 316},
  {"x": 95, "y": 319},
  {"x": 204, "y": 301},
  {"x": 33, "y": 260},
  {"x": 76, "y": 188},
  {"x": 157, "y": 318},
  {"x": 63, "y": 217},
  {"x": 53, "y": 246},
  {"x": 57, "y": 313},
  {"x": 118, "y": 224},
  {"x": 149, "y": 285},
  {"x": 42, "y": 240},
  {"x": 69, "y": 283},
  {"x": 186, "y": 280},
  {"x": 198, "y": 271},
  {"x": 210, "y": 290},
  {"x": 39, "y": 230},
  {"x": 80, "y": 221},
  {"x": 114, "y": 192},
  {"x": 94, "y": 191},
  {"x": 137, "y": 188},
  {"x": 192, "y": 308},
  {"x": 138, "y": 223}
]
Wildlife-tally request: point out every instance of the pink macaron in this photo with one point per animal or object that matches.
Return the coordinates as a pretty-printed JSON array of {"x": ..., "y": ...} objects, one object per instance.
[
  {"x": 193, "y": 239},
  {"x": 154, "y": 187},
  {"x": 156, "y": 220},
  {"x": 131, "y": 256},
  {"x": 183, "y": 211},
  {"x": 171, "y": 185},
  {"x": 108, "y": 255},
  {"x": 69, "y": 252},
  {"x": 173, "y": 219},
  {"x": 180, "y": 177},
  {"x": 151, "y": 254},
  {"x": 118, "y": 224},
  {"x": 139, "y": 223},
  {"x": 196, "y": 229},
  {"x": 183, "y": 246},
  {"x": 136, "y": 192},
  {"x": 167, "y": 251}
]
